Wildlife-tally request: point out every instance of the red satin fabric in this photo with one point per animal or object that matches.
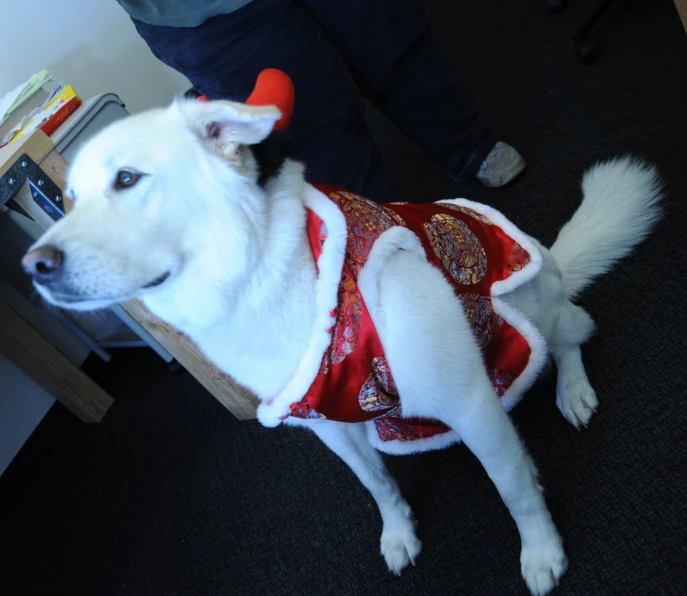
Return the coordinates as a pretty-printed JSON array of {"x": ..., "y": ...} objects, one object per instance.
[{"x": 354, "y": 383}]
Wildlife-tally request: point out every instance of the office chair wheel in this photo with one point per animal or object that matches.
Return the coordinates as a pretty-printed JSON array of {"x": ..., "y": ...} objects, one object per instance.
[
  {"x": 587, "y": 51},
  {"x": 556, "y": 6}
]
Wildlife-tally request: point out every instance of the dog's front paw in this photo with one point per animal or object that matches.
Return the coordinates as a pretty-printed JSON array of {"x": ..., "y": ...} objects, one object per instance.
[
  {"x": 576, "y": 400},
  {"x": 399, "y": 547},
  {"x": 543, "y": 566}
]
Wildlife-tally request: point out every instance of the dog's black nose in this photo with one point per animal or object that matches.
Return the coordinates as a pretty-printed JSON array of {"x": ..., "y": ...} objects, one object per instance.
[{"x": 42, "y": 263}]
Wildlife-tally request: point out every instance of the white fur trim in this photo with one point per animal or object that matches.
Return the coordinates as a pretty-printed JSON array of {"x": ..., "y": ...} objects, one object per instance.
[
  {"x": 407, "y": 447},
  {"x": 538, "y": 353},
  {"x": 330, "y": 265}
]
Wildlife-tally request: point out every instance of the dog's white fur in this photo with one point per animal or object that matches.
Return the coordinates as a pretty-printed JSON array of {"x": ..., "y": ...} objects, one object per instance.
[{"x": 242, "y": 286}]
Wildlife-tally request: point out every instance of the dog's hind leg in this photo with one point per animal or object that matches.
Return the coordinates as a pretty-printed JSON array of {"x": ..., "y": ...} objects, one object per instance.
[
  {"x": 575, "y": 397},
  {"x": 565, "y": 326},
  {"x": 399, "y": 543}
]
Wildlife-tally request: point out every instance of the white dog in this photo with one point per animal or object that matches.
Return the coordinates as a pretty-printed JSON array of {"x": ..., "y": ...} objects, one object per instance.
[{"x": 173, "y": 207}]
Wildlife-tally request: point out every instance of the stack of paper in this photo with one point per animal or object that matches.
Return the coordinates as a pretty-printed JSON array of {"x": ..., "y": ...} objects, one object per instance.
[{"x": 41, "y": 102}]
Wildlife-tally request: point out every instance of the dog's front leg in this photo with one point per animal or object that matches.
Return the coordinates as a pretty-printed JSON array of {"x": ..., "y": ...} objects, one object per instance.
[
  {"x": 440, "y": 374},
  {"x": 399, "y": 543}
]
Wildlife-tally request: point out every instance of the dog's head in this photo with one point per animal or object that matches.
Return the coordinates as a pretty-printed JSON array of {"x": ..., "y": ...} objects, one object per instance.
[{"x": 155, "y": 195}]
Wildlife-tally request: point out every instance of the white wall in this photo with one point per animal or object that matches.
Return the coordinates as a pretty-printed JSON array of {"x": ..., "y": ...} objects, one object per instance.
[{"x": 90, "y": 44}]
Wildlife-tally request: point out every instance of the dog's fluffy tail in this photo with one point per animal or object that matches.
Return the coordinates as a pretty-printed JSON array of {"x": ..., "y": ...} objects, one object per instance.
[{"x": 619, "y": 208}]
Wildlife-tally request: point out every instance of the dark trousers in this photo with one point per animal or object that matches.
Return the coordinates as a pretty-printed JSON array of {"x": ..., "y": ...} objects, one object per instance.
[{"x": 337, "y": 51}]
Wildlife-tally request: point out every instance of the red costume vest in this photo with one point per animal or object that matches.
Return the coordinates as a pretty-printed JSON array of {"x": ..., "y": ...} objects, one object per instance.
[{"x": 354, "y": 383}]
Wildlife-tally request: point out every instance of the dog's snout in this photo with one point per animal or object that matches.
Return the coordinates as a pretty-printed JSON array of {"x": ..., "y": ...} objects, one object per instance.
[{"x": 43, "y": 263}]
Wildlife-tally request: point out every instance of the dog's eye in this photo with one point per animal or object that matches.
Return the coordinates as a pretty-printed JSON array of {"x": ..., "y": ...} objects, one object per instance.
[{"x": 125, "y": 179}]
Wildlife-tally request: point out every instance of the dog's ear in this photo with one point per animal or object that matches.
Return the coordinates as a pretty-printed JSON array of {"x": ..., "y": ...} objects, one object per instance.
[{"x": 227, "y": 125}]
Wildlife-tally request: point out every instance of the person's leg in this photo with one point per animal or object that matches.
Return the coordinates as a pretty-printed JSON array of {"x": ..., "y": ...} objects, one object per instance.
[
  {"x": 223, "y": 57},
  {"x": 399, "y": 64}
]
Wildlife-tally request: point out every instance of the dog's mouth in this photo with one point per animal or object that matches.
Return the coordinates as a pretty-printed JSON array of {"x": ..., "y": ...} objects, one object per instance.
[
  {"x": 78, "y": 301},
  {"x": 157, "y": 281}
]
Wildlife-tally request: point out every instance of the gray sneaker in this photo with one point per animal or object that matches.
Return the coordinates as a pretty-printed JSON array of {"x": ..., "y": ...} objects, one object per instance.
[{"x": 501, "y": 166}]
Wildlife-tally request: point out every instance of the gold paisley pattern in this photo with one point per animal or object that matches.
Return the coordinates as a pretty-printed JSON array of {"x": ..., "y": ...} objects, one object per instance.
[
  {"x": 501, "y": 381},
  {"x": 396, "y": 429},
  {"x": 460, "y": 251},
  {"x": 366, "y": 222},
  {"x": 379, "y": 391},
  {"x": 395, "y": 216},
  {"x": 347, "y": 327},
  {"x": 482, "y": 317},
  {"x": 518, "y": 259},
  {"x": 303, "y": 409},
  {"x": 468, "y": 211}
]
